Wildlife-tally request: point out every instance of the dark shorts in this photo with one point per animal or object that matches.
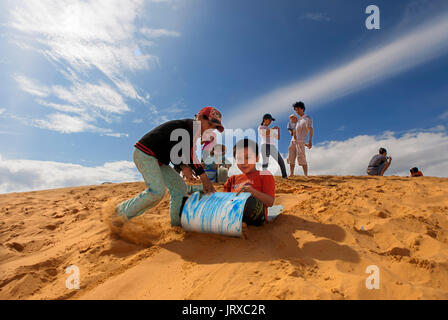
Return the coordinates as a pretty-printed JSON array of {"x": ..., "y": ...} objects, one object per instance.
[
  {"x": 375, "y": 171},
  {"x": 253, "y": 213}
]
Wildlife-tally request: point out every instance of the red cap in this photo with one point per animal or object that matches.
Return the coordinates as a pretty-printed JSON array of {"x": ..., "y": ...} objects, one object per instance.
[{"x": 213, "y": 115}]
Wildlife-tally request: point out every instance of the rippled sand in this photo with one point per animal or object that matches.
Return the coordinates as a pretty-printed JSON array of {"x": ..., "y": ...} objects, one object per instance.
[{"x": 333, "y": 228}]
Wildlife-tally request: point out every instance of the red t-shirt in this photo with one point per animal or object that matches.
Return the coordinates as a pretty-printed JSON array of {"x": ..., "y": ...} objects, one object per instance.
[{"x": 262, "y": 181}]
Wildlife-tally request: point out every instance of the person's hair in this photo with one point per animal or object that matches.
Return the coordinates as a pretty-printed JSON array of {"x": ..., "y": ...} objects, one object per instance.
[
  {"x": 262, "y": 121},
  {"x": 299, "y": 104},
  {"x": 414, "y": 170},
  {"x": 382, "y": 151},
  {"x": 245, "y": 143}
]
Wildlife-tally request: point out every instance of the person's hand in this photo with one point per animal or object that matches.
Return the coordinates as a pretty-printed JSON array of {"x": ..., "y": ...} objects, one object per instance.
[
  {"x": 248, "y": 188},
  {"x": 309, "y": 145},
  {"x": 207, "y": 184},
  {"x": 390, "y": 159},
  {"x": 188, "y": 173}
]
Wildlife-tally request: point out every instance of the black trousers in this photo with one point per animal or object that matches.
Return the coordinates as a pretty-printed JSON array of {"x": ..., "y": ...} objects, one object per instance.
[{"x": 268, "y": 150}]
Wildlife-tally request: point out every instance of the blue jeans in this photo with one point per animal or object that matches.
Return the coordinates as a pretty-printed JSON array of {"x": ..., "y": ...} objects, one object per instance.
[{"x": 157, "y": 179}]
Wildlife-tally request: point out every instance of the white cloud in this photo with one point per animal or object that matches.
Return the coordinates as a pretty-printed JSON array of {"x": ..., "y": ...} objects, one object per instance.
[
  {"x": 426, "y": 150},
  {"x": 84, "y": 35},
  {"x": 64, "y": 108},
  {"x": 87, "y": 100},
  {"x": 400, "y": 54},
  {"x": 80, "y": 38},
  {"x": 66, "y": 124},
  {"x": 2, "y": 111},
  {"x": 444, "y": 116},
  {"x": 423, "y": 149},
  {"x": 117, "y": 135},
  {"x": 101, "y": 97},
  {"x": 157, "y": 33},
  {"x": 31, "y": 87},
  {"x": 27, "y": 175}
]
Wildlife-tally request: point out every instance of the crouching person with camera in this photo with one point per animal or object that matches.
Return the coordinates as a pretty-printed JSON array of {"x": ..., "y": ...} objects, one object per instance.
[{"x": 379, "y": 163}]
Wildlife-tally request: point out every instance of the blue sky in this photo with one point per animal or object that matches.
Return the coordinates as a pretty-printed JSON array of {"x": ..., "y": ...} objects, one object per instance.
[{"x": 82, "y": 81}]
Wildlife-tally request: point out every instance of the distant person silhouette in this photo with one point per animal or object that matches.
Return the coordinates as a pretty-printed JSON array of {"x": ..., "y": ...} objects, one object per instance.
[
  {"x": 415, "y": 172},
  {"x": 379, "y": 163}
]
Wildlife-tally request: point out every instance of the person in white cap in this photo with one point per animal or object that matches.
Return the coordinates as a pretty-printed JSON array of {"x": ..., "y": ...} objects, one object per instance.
[{"x": 269, "y": 138}]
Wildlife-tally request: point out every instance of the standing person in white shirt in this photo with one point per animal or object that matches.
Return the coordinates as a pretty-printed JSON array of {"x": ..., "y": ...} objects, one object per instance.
[
  {"x": 269, "y": 138},
  {"x": 303, "y": 127}
]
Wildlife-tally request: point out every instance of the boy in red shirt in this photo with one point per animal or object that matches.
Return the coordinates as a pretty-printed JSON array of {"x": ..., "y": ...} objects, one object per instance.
[{"x": 260, "y": 184}]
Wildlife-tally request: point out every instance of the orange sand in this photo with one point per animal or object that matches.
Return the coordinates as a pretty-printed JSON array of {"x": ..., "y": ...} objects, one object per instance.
[{"x": 315, "y": 250}]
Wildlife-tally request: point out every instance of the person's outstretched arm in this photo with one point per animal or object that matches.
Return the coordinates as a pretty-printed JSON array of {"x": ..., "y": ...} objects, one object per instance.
[
  {"x": 278, "y": 132},
  {"x": 386, "y": 166}
]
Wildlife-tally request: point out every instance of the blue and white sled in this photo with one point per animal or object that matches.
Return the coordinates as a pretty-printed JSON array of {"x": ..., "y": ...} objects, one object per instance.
[{"x": 218, "y": 213}]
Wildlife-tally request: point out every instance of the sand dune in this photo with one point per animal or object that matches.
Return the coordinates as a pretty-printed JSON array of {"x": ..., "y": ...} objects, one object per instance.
[{"x": 333, "y": 228}]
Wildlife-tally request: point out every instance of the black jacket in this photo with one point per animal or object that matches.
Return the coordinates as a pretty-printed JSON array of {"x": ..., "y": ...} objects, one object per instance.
[{"x": 157, "y": 143}]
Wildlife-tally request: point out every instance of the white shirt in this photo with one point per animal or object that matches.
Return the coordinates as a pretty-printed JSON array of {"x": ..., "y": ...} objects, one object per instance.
[
  {"x": 304, "y": 124},
  {"x": 271, "y": 139}
]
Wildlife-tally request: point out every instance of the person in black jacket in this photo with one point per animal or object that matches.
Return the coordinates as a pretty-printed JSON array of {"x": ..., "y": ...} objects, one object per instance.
[{"x": 172, "y": 142}]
